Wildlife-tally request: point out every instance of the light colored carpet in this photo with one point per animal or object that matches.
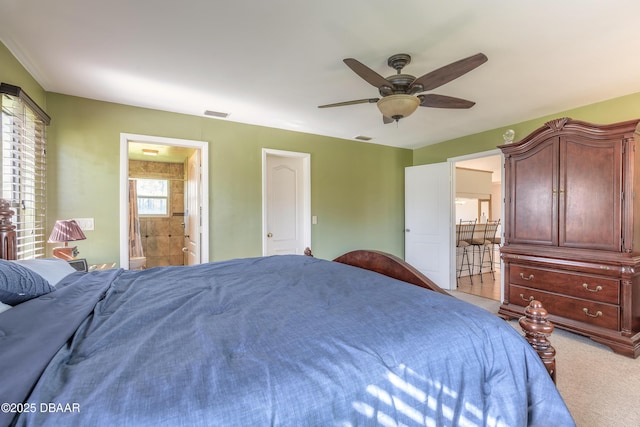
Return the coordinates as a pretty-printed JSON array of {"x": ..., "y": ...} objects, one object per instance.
[{"x": 600, "y": 387}]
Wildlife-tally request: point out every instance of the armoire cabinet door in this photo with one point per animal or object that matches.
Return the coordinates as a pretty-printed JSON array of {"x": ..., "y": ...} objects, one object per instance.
[
  {"x": 532, "y": 191},
  {"x": 590, "y": 193}
]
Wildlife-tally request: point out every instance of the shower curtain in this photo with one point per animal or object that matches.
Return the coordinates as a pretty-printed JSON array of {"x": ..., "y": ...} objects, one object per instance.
[{"x": 135, "y": 241}]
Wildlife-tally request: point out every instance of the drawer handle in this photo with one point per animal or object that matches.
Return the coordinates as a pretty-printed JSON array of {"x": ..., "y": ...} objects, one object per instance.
[
  {"x": 586, "y": 311},
  {"x": 597, "y": 289},
  {"x": 526, "y": 299},
  {"x": 526, "y": 278}
]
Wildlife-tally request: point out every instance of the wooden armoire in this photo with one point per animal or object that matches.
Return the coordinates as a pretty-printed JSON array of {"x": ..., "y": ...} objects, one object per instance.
[{"x": 572, "y": 229}]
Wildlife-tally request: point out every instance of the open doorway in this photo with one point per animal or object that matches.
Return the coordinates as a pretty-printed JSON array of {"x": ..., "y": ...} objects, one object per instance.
[
  {"x": 479, "y": 197},
  {"x": 168, "y": 180}
]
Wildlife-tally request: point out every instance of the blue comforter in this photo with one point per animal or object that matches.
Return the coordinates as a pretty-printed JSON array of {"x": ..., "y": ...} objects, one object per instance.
[{"x": 275, "y": 341}]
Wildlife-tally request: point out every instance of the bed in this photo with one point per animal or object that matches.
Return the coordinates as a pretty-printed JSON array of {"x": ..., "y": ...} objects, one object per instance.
[{"x": 289, "y": 340}]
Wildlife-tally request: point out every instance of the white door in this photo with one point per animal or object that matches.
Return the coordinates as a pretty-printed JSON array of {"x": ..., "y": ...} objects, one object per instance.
[
  {"x": 192, "y": 237},
  {"x": 428, "y": 222},
  {"x": 285, "y": 205}
]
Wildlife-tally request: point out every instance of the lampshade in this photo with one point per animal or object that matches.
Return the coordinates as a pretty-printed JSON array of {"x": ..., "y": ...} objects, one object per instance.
[
  {"x": 66, "y": 230},
  {"x": 398, "y": 106}
]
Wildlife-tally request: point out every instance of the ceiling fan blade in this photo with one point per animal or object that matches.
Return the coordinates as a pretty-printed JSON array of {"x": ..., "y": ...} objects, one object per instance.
[
  {"x": 357, "y": 101},
  {"x": 367, "y": 73},
  {"x": 449, "y": 72},
  {"x": 386, "y": 120},
  {"x": 443, "y": 101}
]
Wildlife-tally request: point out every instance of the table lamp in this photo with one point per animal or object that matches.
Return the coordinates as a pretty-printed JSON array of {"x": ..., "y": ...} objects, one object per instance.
[{"x": 66, "y": 230}]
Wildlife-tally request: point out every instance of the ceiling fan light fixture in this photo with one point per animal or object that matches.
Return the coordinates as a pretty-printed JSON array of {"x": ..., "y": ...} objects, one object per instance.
[{"x": 398, "y": 106}]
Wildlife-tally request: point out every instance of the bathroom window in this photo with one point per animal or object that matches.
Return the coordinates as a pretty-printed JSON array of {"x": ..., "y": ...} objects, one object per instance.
[{"x": 153, "y": 197}]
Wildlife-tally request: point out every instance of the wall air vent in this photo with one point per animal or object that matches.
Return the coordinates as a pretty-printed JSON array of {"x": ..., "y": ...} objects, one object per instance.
[
  {"x": 217, "y": 114},
  {"x": 363, "y": 138}
]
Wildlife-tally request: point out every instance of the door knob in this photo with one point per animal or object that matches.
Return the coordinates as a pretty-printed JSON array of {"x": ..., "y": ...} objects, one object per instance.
[
  {"x": 269, "y": 234},
  {"x": 185, "y": 250},
  {"x": 407, "y": 230}
]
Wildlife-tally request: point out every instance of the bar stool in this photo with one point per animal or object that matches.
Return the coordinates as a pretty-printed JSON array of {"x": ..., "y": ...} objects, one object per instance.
[
  {"x": 482, "y": 245},
  {"x": 464, "y": 234},
  {"x": 495, "y": 244},
  {"x": 490, "y": 241}
]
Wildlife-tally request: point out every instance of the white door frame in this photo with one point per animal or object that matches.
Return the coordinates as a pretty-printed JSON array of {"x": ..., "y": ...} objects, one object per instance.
[
  {"x": 306, "y": 210},
  {"x": 203, "y": 146},
  {"x": 192, "y": 205},
  {"x": 452, "y": 165}
]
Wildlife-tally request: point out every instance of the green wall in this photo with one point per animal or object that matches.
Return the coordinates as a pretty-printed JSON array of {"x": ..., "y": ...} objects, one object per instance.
[
  {"x": 355, "y": 187},
  {"x": 610, "y": 111}
]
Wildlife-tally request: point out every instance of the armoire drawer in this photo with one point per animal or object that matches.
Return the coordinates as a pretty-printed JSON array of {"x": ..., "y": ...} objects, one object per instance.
[
  {"x": 593, "y": 313},
  {"x": 574, "y": 284}
]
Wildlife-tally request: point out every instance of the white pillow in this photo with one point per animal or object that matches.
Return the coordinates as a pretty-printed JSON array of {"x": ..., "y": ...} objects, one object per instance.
[
  {"x": 4, "y": 307},
  {"x": 51, "y": 269}
]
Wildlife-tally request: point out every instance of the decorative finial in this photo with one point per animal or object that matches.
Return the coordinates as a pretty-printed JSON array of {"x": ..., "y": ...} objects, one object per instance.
[{"x": 508, "y": 136}]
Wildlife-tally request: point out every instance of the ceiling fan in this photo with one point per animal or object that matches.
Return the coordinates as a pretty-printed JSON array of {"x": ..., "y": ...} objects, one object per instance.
[{"x": 401, "y": 93}]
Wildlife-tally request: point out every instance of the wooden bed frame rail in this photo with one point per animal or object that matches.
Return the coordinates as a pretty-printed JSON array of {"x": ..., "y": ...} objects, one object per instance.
[{"x": 534, "y": 323}]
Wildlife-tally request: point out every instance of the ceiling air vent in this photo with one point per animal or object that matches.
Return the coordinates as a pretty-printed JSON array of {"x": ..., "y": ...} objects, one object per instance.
[{"x": 217, "y": 114}]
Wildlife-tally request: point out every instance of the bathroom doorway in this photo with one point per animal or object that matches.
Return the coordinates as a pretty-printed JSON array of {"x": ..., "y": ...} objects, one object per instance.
[
  {"x": 474, "y": 202},
  {"x": 163, "y": 202}
]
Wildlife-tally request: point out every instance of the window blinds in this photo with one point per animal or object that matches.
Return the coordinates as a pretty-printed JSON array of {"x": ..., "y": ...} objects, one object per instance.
[{"x": 24, "y": 168}]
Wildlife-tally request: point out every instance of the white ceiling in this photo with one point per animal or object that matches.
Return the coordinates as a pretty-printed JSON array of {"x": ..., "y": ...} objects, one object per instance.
[{"x": 273, "y": 62}]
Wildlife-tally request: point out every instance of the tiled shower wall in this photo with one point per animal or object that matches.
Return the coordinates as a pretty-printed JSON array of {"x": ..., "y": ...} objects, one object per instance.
[{"x": 163, "y": 238}]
